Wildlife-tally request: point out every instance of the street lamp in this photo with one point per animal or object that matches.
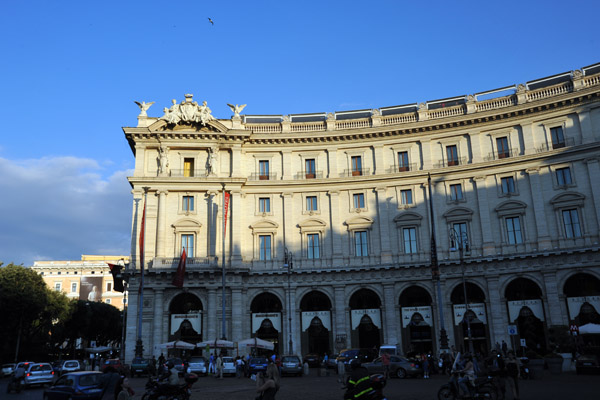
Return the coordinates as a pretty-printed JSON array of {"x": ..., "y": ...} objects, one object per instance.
[
  {"x": 288, "y": 262},
  {"x": 461, "y": 239}
]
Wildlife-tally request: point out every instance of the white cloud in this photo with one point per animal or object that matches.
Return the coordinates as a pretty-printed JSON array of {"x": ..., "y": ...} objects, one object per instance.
[{"x": 60, "y": 208}]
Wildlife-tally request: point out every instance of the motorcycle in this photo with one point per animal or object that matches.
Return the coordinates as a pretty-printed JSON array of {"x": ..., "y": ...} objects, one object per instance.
[
  {"x": 157, "y": 390},
  {"x": 524, "y": 370},
  {"x": 378, "y": 382},
  {"x": 483, "y": 388}
]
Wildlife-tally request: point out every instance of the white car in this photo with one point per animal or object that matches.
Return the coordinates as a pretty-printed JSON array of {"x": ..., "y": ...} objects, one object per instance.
[
  {"x": 197, "y": 365},
  {"x": 8, "y": 369},
  {"x": 70, "y": 366},
  {"x": 228, "y": 366}
]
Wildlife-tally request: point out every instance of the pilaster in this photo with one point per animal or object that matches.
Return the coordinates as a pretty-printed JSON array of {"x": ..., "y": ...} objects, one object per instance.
[
  {"x": 537, "y": 197},
  {"x": 498, "y": 328},
  {"x": 157, "y": 334},
  {"x": 555, "y": 317},
  {"x": 586, "y": 126},
  {"x": 379, "y": 160},
  {"x": 236, "y": 314},
  {"x": 391, "y": 316},
  {"x": 237, "y": 224},
  {"x": 236, "y": 161},
  {"x": 140, "y": 160},
  {"x": 161, "y": 221},
  {"x": 211, "y": 333},
  {"x": 288, "y": 224},
  {"x": 341, "y": 327},
  {"x": 333, "y": 163},
  {"x": 489, "y": 246},
  {"x": 334, "y": 210},
  {"x": 383, "y": 222},
  {"x": 287, "y": 164},
  {"x": 593, "y": 165}
]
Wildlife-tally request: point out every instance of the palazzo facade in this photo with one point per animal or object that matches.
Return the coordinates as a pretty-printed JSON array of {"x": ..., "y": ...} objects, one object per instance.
[{"x": 340, "y": 225}]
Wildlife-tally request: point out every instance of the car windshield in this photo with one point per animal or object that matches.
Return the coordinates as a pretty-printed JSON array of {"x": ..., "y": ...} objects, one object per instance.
[
  {"x": 290, "y": 359},
  {"x": 227, "y": 359},
  {"x": 258, "y": 360},
  {"x": 197, "y": 360},
  {"x": 90, "y": 380}
]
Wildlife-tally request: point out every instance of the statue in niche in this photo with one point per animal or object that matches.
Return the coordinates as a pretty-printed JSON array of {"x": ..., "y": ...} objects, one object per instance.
[
  {"x": 163, "y": 160},
  {"x": 237, "y": 109},
  {"x": 143, "y": 107},
  {"x": 212, "y": 161}
]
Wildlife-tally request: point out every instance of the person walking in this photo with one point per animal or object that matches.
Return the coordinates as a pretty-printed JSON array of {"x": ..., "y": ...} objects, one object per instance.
[
  {"x": 385, "y": 360},
  {"x": 123, "y": 390},
  {"x": 425, "y": 361},
  {"x": 211, "y": 365},
  {"x": 219, "y": 366},
  {"x": 513, "y": 373}
]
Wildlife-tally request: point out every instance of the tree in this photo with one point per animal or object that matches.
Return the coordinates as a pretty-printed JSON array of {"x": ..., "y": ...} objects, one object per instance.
[{"x": 90, "y": 320}]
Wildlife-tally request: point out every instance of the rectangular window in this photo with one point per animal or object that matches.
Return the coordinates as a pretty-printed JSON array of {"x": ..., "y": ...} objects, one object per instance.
[
  {"x": 109, "y": 286},
  {"x": 188, "y": 203},
  {"x": 310, "y": 169},
  {"x": 57, "y": 286},
  {"x": 263, "y": 170},
  {"x": 264, "y": 244},
  {"x": 460, "y": 236},
  {"x": 502, "y": 147},
  {"x": 356, "y": 165},
  {"x": 359, "y": 200},
  {"x": 311, "y": 203},
  {"x": 452, "y": 155},
  {"x": 187, "y": 243},
  {"x": 313, "y": 246},
  {"x": 456, "y": 192},
  {"x": 558, "y": 139},
  {"x": 410, "y": 240},
  {"x": 360, "y": 244},
  {"x": 563, "y": 176},
  {"x": 188, "y": 167},
  {"x": 571, "y": 223},
  {"x": 508, "y": 185},
  {"x": 513, "y": 230},
  {"x": 403, "y": 161},
  {"x": 406, "y": 196},
  {"x": 264, "y": 204},
  {"x": 73, "y": 287}
]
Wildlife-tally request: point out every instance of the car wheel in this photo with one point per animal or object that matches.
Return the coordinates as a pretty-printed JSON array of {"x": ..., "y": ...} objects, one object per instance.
[{"x": 400, "y": 373}]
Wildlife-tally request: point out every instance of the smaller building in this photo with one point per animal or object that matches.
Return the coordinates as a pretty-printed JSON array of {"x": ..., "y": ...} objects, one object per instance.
[{"x": 89, "y": 279}]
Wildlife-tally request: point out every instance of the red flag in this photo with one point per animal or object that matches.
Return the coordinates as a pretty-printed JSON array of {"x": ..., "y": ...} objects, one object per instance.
[
  {"x": 115, "y": 270},
  {"x": 227, "y": 196},
  {"x": 180, "y": 274},
  {"x": 142, "y": 246}
]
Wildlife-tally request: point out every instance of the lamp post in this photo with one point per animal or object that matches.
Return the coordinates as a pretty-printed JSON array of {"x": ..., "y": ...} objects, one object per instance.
[
  {"x": 288, "y": 262},
  {"x": 461, "y": 239}
]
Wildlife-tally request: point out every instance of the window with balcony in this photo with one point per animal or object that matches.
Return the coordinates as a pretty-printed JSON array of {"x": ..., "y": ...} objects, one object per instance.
[
  {"x": 502, "y": 147},
  {"x": 406, "y": 197},
  {"x": 263, "y": 170},
  {"x": 187, "y": 203},
  {"x": 188, "y": 167},
  {"x": 403, "y": 161},
  {"x": 264, "y": 205},
  {"x": 571, "y": 223},
  {"x": 356, "y": 165},
  {"x": 361, "y": 248},
  {"x": 359, "y": 200},
  {"x": 264, "y": 247},
  {"x": 563, "y": 176},
  {"x": 513, "y": 230},
  {"x": 452, "y": 155},
  {"x": 558, "y": 138},
  {"x": 310, "y": 168},
  {"x": 409, "y": 237},
  {"x": 187, "y": 243},
  {"x": 311, "y": 203},
  {"x": 508, "y": 185},
  {"x": 456, "y": 193},
  {"x": 312, "y": 246}
]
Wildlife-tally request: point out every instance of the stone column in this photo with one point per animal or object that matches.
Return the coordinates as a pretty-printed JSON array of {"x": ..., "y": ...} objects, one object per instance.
[
  {"x": 379, "y": 161},
  {"x": 497, "y": 310},
  {"x": 235, "y": 227},
  {"x": 157, "y": 334},
  {"x": 161, "y": 221},
  {"x": 391, "y": 316},
  {"x": 211, "y": 331},
  {"x": 287, "y": 164},
  {"x": 555, "y": 316},
  {"x": 489, "y": 247},
  {"x": 537, "y": 196},
  {"x": 594, "y": 173},
  {"x": 336, "y": 225},
  {"x": 236, "y": 314},
  {"x": 384, "y": 222}
]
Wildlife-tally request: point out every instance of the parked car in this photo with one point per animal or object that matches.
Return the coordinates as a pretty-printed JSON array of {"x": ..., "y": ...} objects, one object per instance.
[
  {"x": 400, "y": 367},
  {"x": 70, "y": 366},
  {"x": 364, "y": 355},
  {"x": 587, "y": 363},
  {"x": 38, "y": 374},
  {"x": 139, "y": 366},
  {"x": 114, "y": 364},
  {"x": 197, "y": 365},
  {"x": 7, "y": 369},
  {"x": 291, "y": 365},
  {"x": 257, "y": 364},
  {"x": 228, "y": 366},
  {"x": 179, "y": 365},
  {"x": 83, "y": 385},
  {"x": 331, "y": 361},
  {"x": 312, "y": 359}
]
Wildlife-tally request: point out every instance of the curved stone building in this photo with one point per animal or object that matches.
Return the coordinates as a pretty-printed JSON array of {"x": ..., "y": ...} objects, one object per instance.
[{"x": 356, "y": 228}]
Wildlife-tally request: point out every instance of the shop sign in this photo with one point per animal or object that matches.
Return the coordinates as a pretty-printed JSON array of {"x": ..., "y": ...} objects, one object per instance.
[
  {"x": 477, "y": 308},
  {"x": 535, "y": 305},
  {"x": 408, "y": 312},
  {"x": 308, "y": 316},
  {"x": 373, "y": 313},
  {"x": 574, "y": 304},
  {"x": 185, "y": 321},
  {"x": 258, "y": 318}
]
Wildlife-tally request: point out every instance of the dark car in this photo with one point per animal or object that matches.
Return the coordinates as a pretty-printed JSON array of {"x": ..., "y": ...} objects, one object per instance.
[
  {"x": 587, "y": 363},
  {"x": 179, "y": 365},
  {"x": 88, "y": 385},
  {"x": 400, "y": 367},
  {"x": 257, "y": 364},
  {"x": 114, "y": 365},
  {"x": 331, "y": 362},
  {"x": 139, "y": 366},
  {"x": 312, "y": 359},
  {"x": 364, "y": 355}
]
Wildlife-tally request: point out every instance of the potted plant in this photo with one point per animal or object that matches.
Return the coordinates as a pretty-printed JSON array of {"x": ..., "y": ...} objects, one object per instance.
[{"x": 535, "y": 364}]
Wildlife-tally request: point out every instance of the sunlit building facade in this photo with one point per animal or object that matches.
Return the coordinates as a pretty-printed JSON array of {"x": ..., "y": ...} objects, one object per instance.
[{"x": 506, "y": 183}]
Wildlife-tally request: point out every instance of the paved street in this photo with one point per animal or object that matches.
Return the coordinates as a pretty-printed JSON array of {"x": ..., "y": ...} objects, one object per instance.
[{"x": 565, "y": 386}]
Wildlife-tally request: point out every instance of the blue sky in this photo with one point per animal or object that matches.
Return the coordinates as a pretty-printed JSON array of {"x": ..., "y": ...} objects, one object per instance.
[{"x": 71, "y": 70}]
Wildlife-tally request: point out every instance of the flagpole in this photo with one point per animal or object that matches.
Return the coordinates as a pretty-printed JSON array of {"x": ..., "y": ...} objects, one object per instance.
[
  {"x": 224, "y": 325},
  {"x": 139, "y": 345}
]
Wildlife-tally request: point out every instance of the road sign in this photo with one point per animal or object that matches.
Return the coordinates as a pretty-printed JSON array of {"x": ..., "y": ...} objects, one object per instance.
[
  {"x": 523, "y": 343},
  {"x": 574, "y": 329},
  {"x": 512, "y": 330}
]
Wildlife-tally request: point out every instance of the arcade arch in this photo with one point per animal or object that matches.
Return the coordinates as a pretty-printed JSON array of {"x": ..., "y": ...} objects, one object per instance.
[
  {"x": 475, "y": 312},
  {"x": 266, "y": 319},
  {"x": 316, "y": 334},
  {"x": 365, "y": 318}
]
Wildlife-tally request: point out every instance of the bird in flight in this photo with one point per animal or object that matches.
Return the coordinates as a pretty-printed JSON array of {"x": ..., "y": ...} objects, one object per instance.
[{"x": 210, "y": 20}]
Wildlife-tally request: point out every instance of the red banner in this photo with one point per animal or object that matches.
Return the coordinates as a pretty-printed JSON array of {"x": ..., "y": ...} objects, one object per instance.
[
  {"x": 180, "y": 274},
  {"x": 227, "y": 196}
]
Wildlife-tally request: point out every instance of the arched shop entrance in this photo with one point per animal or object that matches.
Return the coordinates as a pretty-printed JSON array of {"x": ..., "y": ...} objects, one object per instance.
[
  {"x": 365, "y": 317},
  {"x": 185, "y": 319},
  {"x": 266, "y": 319},
  {"x": 316, "y": 336},
  {"x": 583, "y": 302},
  {"x": 526, "y": 311},
  {"x": 476, "y": 314},
  {"x": 417, "y": 320}
]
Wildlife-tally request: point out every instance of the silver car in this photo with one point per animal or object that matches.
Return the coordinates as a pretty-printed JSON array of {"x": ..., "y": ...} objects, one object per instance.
[
  {"x": 291, "y": 365},
  {"x": 197, "y": 365},
  {"x": 228, "y": 366},
  {"x": 8, "y": 369},
  {"x": 38, "y": 374},
  {"x": 400, "y": 367}
]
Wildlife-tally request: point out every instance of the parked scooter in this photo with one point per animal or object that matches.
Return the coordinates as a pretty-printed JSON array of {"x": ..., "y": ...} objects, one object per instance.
[
  {"x": 378, "y": 382},
  {"x": 156, "y": 390},
  {"x": 483, "y": 388}
]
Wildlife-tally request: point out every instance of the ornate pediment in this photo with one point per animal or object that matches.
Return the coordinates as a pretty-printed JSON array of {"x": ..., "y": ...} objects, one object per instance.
[
  {"x": 188, "y": 111},
  {"x": 312, "y": 224},
  {"x": 567, "y": 199},
  {"x": 408, "y": 218},
  {"x": 511, "y": 207},
  {"x": 359, "y": 223}
]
